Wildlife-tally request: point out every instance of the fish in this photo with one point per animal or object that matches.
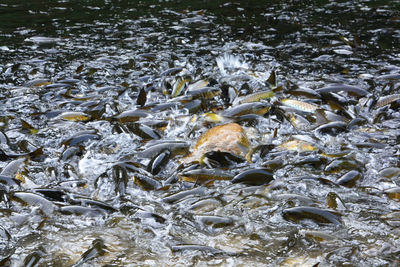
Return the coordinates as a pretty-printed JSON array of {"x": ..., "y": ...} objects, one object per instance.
[
  {"x": 97, "y": 249},
  {"x": 386, "y": 100},
  {"x": 131, "y": 115},
  {"x": 229, "y": 137},
  {"x": 202, "y": 175},
  {"x": 74, "y": 116},
  {"x": 316, "y": 214},
  {"x": 198, "y": 85},
  {"x": 176, "y": 148},
  {"x": 254, "y": 97},
  {"x": 393, "y": 76},
  {"x": 353, "y": 90},
  {"x": 171, "y": 71},
  {"x": 158, "y": 161},
  {"x": 205, "y": 92},
  {"x": 146, "y": 183},
  {"x": 300, "y": 105},
  {"x": 307, "y": 92},
  {"x": 349, "y": 179},
  {"x": 259, "y": 108},
  {"x": 179, "y": 85},
  {"x": 257, "y": 176}
]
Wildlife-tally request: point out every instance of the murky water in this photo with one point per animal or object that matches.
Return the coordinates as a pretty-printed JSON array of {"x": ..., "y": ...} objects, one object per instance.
[{"x": 100, "y": 102}]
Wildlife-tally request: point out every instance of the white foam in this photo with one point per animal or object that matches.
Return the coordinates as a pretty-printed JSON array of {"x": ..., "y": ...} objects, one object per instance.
[{"x": 229, "y": 64}]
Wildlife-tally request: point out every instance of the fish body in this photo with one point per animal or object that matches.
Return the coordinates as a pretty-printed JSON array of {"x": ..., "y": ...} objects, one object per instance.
[
  {"x": 354, "y": 90},
  {"x": 316, "y": 214},
  {"x": 255, "y": 97},
  {"x": 176, "y": 148},
  {"x": 300, "y": 105},
  {"x": 259, "y": 108},
  {"x": 200, "y": 175}
]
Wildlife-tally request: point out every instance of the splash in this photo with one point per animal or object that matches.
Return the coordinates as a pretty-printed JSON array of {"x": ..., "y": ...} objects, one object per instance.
[{"x": 230, "y": 64}]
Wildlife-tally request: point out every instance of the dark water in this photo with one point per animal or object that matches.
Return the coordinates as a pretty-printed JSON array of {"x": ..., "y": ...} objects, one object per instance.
[{"x": 69, "y": 186}]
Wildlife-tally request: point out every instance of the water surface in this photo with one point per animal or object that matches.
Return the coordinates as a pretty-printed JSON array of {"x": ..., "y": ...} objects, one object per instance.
[{"x": 94, "y": 58}]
